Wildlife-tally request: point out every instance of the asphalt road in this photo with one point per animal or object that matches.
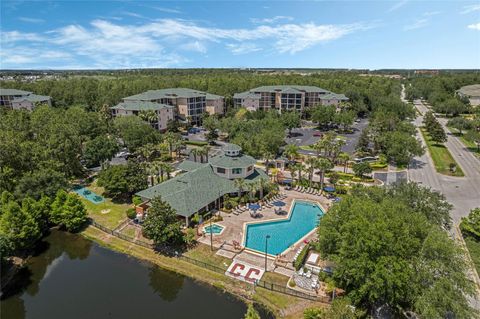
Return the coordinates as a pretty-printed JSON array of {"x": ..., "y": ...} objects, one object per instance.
[
  {"x": 462, "y": 192},
  {"x": 304, "y": 136}
]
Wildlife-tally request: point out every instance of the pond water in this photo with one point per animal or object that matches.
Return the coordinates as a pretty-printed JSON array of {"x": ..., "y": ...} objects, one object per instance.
[{"x": 72, "y": 277}]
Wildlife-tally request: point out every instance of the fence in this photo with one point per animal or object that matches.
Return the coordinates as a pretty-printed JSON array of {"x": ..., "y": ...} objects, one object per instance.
[{"x": 261, "y": 283}]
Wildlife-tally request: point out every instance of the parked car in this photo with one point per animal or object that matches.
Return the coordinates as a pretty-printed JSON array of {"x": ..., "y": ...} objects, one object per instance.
[{"x": 317, "y": 133}]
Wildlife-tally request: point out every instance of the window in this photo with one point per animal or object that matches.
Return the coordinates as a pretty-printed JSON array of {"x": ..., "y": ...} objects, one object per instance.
[
  {"x": 220, "y": 170},
  {"x": 237, "y": 171}
]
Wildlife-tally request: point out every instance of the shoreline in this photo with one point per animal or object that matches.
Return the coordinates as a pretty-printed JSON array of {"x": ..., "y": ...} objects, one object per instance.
[{"x": 278, "y": 304}]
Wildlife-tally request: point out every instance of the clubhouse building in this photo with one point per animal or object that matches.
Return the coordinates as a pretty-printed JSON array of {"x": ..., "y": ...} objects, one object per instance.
[
  {"x": 22, "y": 100},
  {"x": 286, "y": 98},
  {"x": 201, "y": 186},
  {"x": 168, "y": 104}
]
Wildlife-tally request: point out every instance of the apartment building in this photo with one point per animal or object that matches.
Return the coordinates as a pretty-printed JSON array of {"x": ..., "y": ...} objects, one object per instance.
[
  {"x": 286, "y": 98},
  {"x": 187, "y": 104},
  {"x": 163, "y": 112},
  {"x": 18, "y": 99}
]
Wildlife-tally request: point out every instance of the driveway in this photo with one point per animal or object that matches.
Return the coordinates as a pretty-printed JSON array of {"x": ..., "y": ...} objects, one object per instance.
[{"x": 389, "y": 178}]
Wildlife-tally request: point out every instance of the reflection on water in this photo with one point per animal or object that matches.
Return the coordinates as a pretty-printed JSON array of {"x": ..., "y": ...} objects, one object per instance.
[{"x": 71, "y": 277}]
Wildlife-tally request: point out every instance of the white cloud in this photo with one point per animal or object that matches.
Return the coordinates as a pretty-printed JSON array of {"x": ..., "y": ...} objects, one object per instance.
[
  {"x": 397, "y": 5},
  {"x": 470, "y": 8},
  {"x": 31, "y": 20},
  {"x": 195, "y": 46},
  {"x": 475, "y": 26},
  {"x": 242, "y": 48},
  {"x": 419, "y": 23},
  {"x": 109, "y": 44},
  {"x": 271, "y": 20},
  {"x": 167, "y": 10}
]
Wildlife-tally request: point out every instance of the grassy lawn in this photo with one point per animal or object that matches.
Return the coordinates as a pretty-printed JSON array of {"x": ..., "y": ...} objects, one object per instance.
[
  {"x": 307, "y": 148},
  {"x": 474, "y": 250},
  {"x": 129, "y": 231},
  {"x": 203, "y": 253},
  {"x": 441, "y": 157},
  {"x": 275, "y": 278},
  {"x": 116, "y": 212},
  {"x": 471, "y": 146}
]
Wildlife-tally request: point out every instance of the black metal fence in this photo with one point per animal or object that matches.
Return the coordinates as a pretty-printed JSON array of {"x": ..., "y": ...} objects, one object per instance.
[{"x": 259, "y": 283}]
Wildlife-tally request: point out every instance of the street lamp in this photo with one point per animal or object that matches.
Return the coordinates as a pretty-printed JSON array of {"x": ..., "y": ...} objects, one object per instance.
[{"x": 266, "y": 248}]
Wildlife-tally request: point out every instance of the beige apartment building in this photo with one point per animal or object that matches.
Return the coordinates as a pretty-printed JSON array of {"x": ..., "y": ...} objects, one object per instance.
[
  {"x": 22, "y": 100},
  {"x": 163, "y": 112},
  {"x": 187, "y": 104},
  {"x": 286, "y": 98}
]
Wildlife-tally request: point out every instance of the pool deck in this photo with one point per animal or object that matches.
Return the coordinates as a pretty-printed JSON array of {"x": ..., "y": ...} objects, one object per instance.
[{"x": 234, "y": 231}]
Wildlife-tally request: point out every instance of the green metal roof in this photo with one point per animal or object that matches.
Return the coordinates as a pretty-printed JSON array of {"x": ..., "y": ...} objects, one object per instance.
[
  {"x": 246, "y": 94},
  {"x": 188, "y": 165},
  {"x": 240, "y": 161},
  {"x": 231, "y": 147},
  {"x": 140, "y": 106},
  {"x": 32, "y": 98},
  {"x": 4, "y": 92},
  {"x": 470, "y": 90},
  {"x": 281, "y": 88},
  {"x": 188, "y": 193},
  {"x": 171, "y": 93},
  {"x": 334, "y": 96}
]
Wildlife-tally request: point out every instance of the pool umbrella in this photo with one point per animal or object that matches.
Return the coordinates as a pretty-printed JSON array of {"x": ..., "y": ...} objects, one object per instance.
[
  {"x": 278, "y": 203},
  {"x": 329, "y": 189},
  {"x": 287, "y": 181},
  {"x": 254, "y": 206}
]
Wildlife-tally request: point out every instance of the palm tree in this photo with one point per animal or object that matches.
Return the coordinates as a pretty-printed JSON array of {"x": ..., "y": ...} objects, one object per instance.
[
  {"x": 195, "y": 152},
  {"x": 345, "y": 157},
  {"x": 319, "y": 146},
  {"x": 240, "y": 185},
  {"x": 262, "y": 185},
  {"x": 200, "y": 153},
  {"x": 337, "y": 147},
  {"x": 311, "y": 162},
  {"x": 268, "y": 157},
  {"x": 170, "y": 138},
  {"x": 291, "y": 151},
  {"x": 299, "y": 167},
  {"x": 168, "y": 169},
  {"x": 252, "y": 189},
  {"x": 323, "y": 165},
  {"x": 205, "y": 150},
  {"x": 149, "y": 116}
]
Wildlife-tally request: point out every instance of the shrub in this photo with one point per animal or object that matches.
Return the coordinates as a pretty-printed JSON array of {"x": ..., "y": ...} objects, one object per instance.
[
  {"x": 292, "y": 283},
  {"x": 131, "y": 213},
  {"x": 196, "y": 143},
  {"x": 298, "y": 263},
  {"x": 189, "y": 236}
]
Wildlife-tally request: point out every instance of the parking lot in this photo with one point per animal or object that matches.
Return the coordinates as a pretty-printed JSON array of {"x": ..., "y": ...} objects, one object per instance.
[{"x": 307, "y": 136}]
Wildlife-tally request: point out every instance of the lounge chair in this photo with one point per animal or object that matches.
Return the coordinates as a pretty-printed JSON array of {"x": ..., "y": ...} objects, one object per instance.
[
  {"x": 300, "y": 272},
  {"x": 308, "y": 274}
]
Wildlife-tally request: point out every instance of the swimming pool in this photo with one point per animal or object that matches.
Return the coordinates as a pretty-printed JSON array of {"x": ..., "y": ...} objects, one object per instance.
[
  {"x": 303, "y": 218},
  {"x": 88, "y": 194},
  {"x": 216, "y": 229}
]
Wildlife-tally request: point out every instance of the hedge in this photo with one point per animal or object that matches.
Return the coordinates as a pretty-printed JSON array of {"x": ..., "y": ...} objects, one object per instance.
[
  {"x": 196, "y": 143},
  {"x": 298, "y": 263}
]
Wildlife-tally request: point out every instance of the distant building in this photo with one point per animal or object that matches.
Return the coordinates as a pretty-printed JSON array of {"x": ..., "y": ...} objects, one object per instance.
[
  {"x": 187, "y": 104},
  {"x": 203, "y": 186},
  {"x": 18, "y": 99},
  {"x": 286, "y": 98},
  {"x": 471, "y": 92},
  {"x": 426, "y": 72}
]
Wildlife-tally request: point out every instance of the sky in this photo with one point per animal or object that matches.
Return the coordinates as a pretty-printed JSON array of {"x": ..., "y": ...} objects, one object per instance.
[{"x": 239, "y": 34}]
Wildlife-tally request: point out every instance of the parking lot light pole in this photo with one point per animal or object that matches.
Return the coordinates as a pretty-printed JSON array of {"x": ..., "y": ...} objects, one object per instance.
[{"x": 266, "y": 249}]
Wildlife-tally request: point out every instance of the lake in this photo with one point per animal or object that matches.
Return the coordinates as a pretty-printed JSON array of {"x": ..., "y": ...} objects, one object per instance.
[{"x": 72, "y": 277}]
